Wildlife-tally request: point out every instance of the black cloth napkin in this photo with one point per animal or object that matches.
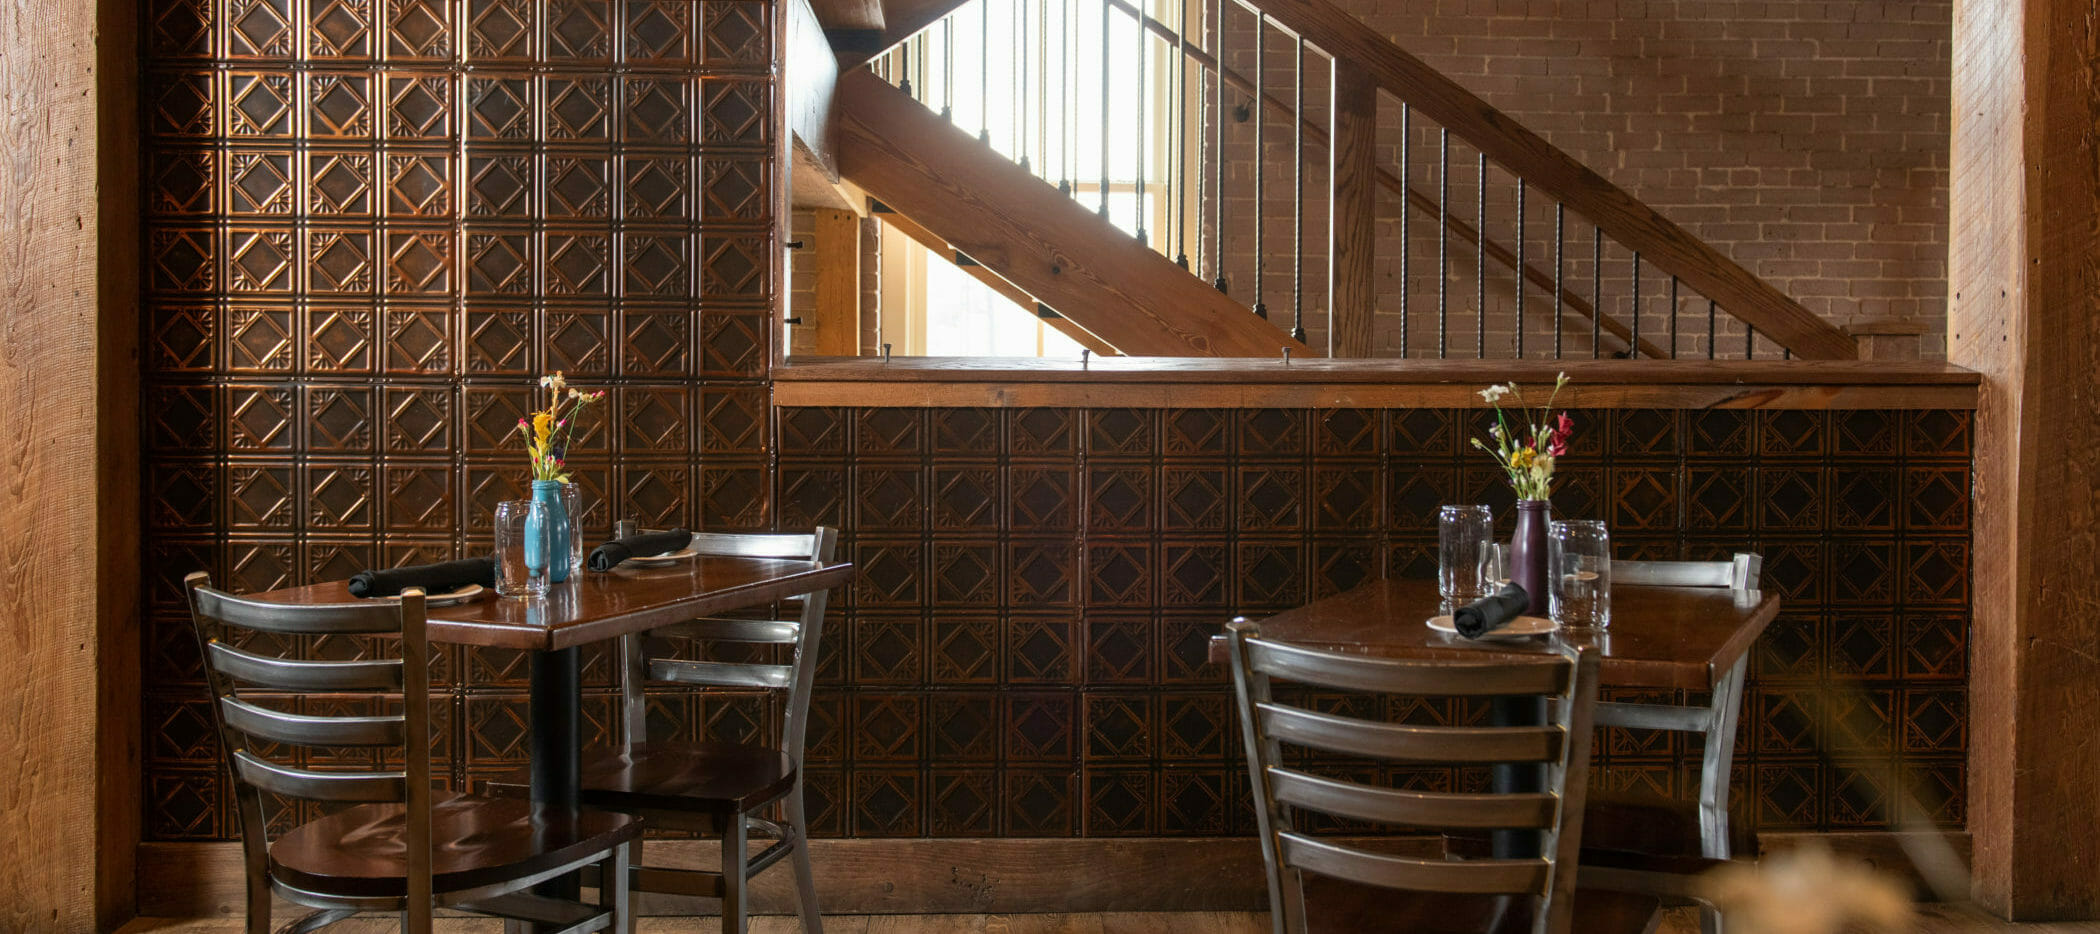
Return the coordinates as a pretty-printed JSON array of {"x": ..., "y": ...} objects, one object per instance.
[
  {"x": 434, "y": 578},
  {"x": 609, "y": 555},
  {"x": 1489, "y": 613}
]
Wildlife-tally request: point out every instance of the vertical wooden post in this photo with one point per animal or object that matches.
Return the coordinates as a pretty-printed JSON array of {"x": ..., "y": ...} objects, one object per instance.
[
  {"x": 835, "y": 321},
  {"x": 1352, "y": 213},
  {"x": 2023, "y": 277},
  {"x": 69, "y": 713}
]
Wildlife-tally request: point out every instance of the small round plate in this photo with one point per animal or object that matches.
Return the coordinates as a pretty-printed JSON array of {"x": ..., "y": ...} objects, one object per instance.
[
  {"x": 1517, "y": 628},
  {"x": 658, "y": 561}
]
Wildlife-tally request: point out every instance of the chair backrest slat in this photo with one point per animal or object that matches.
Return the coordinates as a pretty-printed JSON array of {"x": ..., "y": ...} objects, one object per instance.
[
  {"x": 300, "y": 730},
  {"x": 760, "y": 631},
  {"x": 1738, "y": 573},
  {"x": 1444, "y": 809},
  {"x": 372, "y": 618},
  {"x": 280, "y": 675},
  {"x": 1472, "y": 877},
  {"x": 721, "y": 674},
  {"x": 343, "y": 787},
  {"x": 1359, "y": 673},
  {"x": 754, "y": 546},
  {"x": 1394, "y": 742}
]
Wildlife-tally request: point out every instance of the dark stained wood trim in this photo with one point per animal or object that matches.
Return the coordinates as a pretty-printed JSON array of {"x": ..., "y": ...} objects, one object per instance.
[
  {"x": 925, "y": 876},
  {"x": 1628, "y": 220},
  {"x": 1063, "y": 254},
  {"x": 2023, "y": 274},
  {"x": 1352, "y": 215}
]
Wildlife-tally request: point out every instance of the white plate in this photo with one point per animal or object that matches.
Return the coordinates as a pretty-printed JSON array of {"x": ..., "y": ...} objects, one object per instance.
[
  {"x": 658, "y": 561},
  {"x": 1517, "y": 628}
]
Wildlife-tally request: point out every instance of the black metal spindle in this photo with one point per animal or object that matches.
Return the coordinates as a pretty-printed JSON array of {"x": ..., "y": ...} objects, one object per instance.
[
  {"x": 1298, "y": 197},
  {"x": 1711, "y": 333},
  {"x": 1177, "y": 148},
  {"x": 1560, "y": 248},
  {"x": 1480, "y": 257},
  {"x": 1633, "y": 343},
  {"x": 904, "y": 51},
  {"x": 1443, "y": 243},
  {"x": 948, "y": 67},
  {"x": 1217, "y": 234},
  {"x": 1520, "y": 269},
  {"x": 1596, "y": 292},
  {"x": 1020, "y": 69},
  {"x": 1042, "y": 85},
  {"x": 1137, "y": 207},
  {"x": 1106, "y": 5},
  {"x": 1261, "y": 205},
  {"x": 984, "y": 72},
  {"x": 1673, "y": 317},
  {"x": 1407, "y": 135},
  {"x": 1067, "y": 97},
  {"x": 1749, "y": 341}
]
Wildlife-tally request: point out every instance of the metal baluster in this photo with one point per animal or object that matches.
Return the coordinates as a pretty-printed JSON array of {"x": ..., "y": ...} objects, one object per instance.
[
  {"x": 1261, "y": 205},
  {"x": 1218, "y": 156},
  {"x": 1560, "y": 248},
  {"x": 1138, "y": 144},
  {"x": 1042, "y": 85},
  {"x": 904, "y": 50},
  {"x": 1298, "y": 198},
  {"x": 1067, "y": 96},
  {"x": 1020, "y": 66},
  {"x": 1105, "y": 5},
  {"x": 1711, "y": 333},
  {"x": 948, "y": 68},
  {"x": 1520, "y": 269},
  {"x": 1596, "y": 292},
  {"x": 1178, "y": 183},
  {"x": 1673, "y": 317},
  {"x": 1749, "y": 341},
  {"x": 1480, "y": 259},
  {"x": 1407, "y": 135},
  {"x": 1443, "y": 242},
  {"x": 1633, "y": 343},
  {"x": 984, "y": 72}
]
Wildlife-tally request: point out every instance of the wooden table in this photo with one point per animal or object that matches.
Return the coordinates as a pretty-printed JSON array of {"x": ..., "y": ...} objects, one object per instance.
[
  {"x": 591, "y": 607},
  {"x": 1660, "y": 637}
]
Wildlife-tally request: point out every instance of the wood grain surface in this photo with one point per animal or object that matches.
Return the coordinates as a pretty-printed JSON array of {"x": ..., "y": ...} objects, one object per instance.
[
  {"x": 1352, "y": 217},
  {"x": 1052, "y": 248},
  {"x": 1007, "y": 290},
  {"x": 2024, "y": 277},
  {"x": 69, "y": 789},
  {"x": 836, "y": 254}
]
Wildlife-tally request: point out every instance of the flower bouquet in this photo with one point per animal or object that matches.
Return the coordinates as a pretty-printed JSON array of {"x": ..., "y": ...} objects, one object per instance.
[
  {"x": 1527, "y": 453},
  {"x": 548, "y": 432}
]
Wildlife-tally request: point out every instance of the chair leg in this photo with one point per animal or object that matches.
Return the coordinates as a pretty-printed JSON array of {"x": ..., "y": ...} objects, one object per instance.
[
  {"x": 735, "y": 856},
  {"x": 1715, "y": 763},
  {"x": 613, "y": 894},
  {"x": 805, "y": 882},
  {"x": 258, "y": 904}
]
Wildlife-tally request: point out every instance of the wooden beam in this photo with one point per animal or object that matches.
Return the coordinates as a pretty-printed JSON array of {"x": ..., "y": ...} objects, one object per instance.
[
  {"x": 999, "y": 214},
  {"x": 2023, "y": 276},
  {"x": 1524, "y": 153},
  {"x": 68, "y": 405},
  {"x": 850, "y": 15},
  {"x": 901, "y": 19},
  {"x": 1352, "y": 215},
  {"x": 835, "y": 321},
  {"x": 811, "y": 70},
  {"x": 1006, "y": 290}
]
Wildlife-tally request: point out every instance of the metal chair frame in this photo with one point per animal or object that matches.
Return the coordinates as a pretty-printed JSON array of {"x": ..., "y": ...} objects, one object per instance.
[
  {"x": 1562, "y": 744},
  {"x": 795, "y": 679},
  {"x": 247, "y": 731}
]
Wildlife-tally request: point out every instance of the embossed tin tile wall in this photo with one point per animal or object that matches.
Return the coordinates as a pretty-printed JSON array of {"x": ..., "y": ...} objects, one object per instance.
[
  {"x": 370, "y": 224},
  {"x": 1024, "y": 653}
]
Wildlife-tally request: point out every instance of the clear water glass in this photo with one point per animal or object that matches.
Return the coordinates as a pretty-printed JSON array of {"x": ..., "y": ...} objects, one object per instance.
[
  {"x": 516, "y": 576},
  {"x": 572, "y": 501},
  {"x": 1465, "y": 542},
  {"x": 1579, "y": 571}
]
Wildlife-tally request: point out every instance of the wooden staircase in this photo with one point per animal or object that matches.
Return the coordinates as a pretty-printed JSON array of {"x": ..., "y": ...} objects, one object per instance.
[{"x": 1117, "y": 294}]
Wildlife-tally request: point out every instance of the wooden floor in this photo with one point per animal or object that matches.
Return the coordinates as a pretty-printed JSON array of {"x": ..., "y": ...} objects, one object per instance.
[{"x": 1938, "y": 919}]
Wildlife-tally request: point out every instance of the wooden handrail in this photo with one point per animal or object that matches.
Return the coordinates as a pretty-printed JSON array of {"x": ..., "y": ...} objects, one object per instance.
[{"x": 1632, "y": 223}]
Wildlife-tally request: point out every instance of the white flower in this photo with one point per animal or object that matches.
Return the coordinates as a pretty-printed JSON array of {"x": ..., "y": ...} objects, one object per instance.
[
  {"x": 1494, "y": 394},
  {"x": 555, "y": 382}
]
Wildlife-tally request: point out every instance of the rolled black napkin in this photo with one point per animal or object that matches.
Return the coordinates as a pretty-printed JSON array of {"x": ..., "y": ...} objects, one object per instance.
[
  {"x": 434, "y": 578},
  {"x": 1489, "y": 613},
  {"x": 609, "y": 555}
]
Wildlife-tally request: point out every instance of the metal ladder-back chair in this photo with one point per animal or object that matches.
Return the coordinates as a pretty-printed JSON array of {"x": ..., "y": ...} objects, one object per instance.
[
  {"x": 1659, "y": 829},
  {"x": 396, "y": 845},
  {"x": 1519, "y": 894},
  {"x": 716, "y": 786}
]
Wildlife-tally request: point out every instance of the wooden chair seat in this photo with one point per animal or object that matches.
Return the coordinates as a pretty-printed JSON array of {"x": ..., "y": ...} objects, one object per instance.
[
  {"x": 1638, "y": 822},
  {"x": 362, "y": 852},
  {"x": 711, "y": 778},
  {"x": 1337, "y": 907}
]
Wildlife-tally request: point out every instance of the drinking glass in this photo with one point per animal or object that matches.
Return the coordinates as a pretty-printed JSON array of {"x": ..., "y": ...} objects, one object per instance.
[
  {"x": 572, "y": 501},
  {"x": 516, "y": 576},
  {"x": 1579, "y": 568},
  {"x": 1465, "y": 535}
]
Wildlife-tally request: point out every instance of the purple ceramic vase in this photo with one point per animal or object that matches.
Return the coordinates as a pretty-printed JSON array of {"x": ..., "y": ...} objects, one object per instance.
[{"x": 1527, "y": 551}]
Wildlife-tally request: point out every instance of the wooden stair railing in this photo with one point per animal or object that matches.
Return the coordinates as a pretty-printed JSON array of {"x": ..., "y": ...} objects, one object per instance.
[
  {"x": 1530, "y": 157},
  {"x": 1002, "y": 216}
]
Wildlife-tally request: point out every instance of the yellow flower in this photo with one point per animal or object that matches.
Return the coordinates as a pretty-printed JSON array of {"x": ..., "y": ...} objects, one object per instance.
[
  {"x": 542, "y": 423},
  {"x": 1522, "y": 459}
]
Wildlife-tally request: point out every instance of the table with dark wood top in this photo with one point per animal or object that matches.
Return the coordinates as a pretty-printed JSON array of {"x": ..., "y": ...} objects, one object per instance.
[
  {"x": 1659, "y": 637},
  {"x": 592, "y": 607}
]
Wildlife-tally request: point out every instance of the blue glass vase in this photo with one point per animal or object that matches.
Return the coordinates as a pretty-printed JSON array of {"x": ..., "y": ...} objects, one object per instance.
[{"x": 547, "y": 541}]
